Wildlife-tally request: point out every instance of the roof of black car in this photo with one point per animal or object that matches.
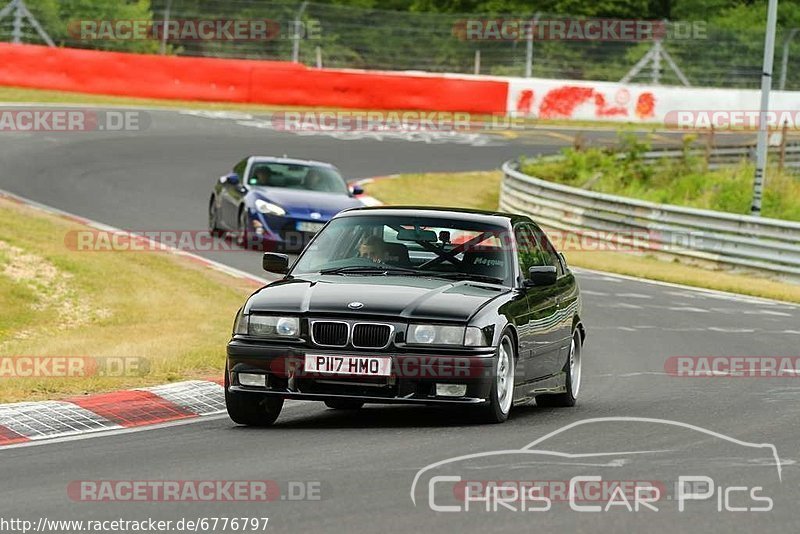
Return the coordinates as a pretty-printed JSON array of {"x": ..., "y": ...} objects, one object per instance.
[{"x": 493, "y": 217}]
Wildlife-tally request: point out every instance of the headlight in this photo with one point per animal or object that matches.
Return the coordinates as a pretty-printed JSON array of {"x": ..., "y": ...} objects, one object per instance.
[
  {"x": 240, "y": 324},
  {"x": 268, "y": 207},
  {"x": 270, "y": 326},
  {"x": 426, "y": 334},
  {"x": 475, "y": 337}
]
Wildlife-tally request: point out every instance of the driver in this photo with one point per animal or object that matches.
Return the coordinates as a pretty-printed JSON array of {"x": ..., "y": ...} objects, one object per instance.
[
  {"x": 372, "y": 248},
  {"x": 261, "y": 176}
]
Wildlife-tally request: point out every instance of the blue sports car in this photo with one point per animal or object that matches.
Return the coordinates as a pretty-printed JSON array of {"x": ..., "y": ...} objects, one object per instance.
[{"x": 278, "y": 203}]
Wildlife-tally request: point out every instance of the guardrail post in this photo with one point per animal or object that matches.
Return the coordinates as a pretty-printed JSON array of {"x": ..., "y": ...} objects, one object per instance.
[
  {"x": 709, "y": 146},
  {"x": 782, "y": 158}
]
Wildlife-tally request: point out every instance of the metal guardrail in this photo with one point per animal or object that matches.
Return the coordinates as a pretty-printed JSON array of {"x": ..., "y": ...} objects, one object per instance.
[
  {"x": 727, "y": 155},
  {"x": 738, "y": 241}
]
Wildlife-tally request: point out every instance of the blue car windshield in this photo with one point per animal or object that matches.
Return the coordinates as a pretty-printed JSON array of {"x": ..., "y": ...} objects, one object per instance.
[
  {"x": 410, "y": 246},
  {"x": 297, "y": 176}
]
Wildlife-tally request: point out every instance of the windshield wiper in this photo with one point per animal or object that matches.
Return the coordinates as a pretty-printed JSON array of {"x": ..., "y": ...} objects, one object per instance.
[
  {"x": 468, "y": 276},
  {"x": 368, "y": 269}
]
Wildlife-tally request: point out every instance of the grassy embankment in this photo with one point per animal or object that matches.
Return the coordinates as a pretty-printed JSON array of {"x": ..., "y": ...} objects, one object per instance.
[{"x": 164, "y": 314}]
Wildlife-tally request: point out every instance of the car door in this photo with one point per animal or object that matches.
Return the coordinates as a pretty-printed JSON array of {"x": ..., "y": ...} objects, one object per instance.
[
  {"x": 565, "y": 294},
  {"x": 538, "y": 332},
  {"x": 231, "y": 195}
]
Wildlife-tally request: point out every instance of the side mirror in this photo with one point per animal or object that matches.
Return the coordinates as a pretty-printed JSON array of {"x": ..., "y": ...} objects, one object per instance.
[
  {"x": 541, "y": 275},
  {"x": 232, "y": 179},
  {"x": 357, "y": 190},
  {"x": 273, "y": 262}
]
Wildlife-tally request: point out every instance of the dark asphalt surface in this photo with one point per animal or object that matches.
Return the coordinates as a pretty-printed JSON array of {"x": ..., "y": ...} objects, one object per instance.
[{"x": 366, "y": 462}]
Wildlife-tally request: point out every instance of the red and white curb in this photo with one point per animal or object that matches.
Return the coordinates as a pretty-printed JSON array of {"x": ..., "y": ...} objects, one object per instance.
[{"x": 23, "y": 422}]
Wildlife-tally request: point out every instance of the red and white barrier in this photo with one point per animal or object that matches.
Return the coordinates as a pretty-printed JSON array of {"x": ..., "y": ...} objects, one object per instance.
[
  {"x": 607, "y": 101},
  {"x": 237, "y": 80},
  {"x": 284, "y": 83}
]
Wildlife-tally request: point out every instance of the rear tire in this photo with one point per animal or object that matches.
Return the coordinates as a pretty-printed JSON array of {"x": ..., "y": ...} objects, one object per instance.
[
  {"x": 502, "y": 395},
  {"x": 344, "y": 404},
  {"x": 572, "y": 368},
  {"x": 251, "y": 409}
]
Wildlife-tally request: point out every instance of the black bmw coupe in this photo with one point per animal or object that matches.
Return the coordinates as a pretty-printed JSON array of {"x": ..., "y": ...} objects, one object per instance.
[{"x": 411, "y": 305}]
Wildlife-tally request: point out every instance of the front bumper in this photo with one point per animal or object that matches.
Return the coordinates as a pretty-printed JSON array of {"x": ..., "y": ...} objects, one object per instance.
[
  {"x": 281, "y": 231},
  {"x": 413, "y": 379}
]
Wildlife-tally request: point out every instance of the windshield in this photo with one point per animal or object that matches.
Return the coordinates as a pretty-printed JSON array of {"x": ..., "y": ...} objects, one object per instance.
[
  {"x": 297, "y": 176},
  {"x": 409, "y": 246}
]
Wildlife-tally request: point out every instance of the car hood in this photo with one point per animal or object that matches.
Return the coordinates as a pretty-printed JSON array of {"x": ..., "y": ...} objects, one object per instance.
[
  {"x": 301, "y": 203},
  {"x": 393, "y": 296}
]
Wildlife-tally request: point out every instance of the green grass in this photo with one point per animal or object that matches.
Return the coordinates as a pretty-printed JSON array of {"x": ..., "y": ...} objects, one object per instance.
[
  {"x": 683, "y": 182},
  {"x": 479, "y": 190},
  {"x": 169, "y": 312}
]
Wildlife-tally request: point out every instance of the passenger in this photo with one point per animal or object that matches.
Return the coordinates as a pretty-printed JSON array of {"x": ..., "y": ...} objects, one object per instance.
[{"x": 315, "y": 181}]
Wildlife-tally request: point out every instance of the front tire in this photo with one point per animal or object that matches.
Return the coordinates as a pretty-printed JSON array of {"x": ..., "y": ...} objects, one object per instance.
[
  {"x": 213, "y": 219},
  {"x": 243, "y": 233},
  {"x": 573, "y": 370},
  {"x": 344, "y": 404},
  {"x": 251, "y": 409},
  {"x": 502, "y": 395}
]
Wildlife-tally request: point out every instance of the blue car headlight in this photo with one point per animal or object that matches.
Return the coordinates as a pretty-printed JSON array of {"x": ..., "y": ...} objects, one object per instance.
[{"x": 269, "y": 208}]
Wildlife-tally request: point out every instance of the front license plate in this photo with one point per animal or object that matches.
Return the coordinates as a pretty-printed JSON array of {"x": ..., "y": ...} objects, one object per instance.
[
  {"x": 305, "y": 226},
  {"x": 349, "y": 365}
]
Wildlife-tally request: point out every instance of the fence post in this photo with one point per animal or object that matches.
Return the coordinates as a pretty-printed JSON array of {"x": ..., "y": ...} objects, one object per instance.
[
  {"x": 477, "y": 61},
  {"x": 296, "y": 36},
  {"x": 163, "y": 47},
  {"x": 16, "y": 32},
  {"x": 319, "y": 56},
  {"x": 785, "y": 61},
  {"x": 20, "y": 12}
]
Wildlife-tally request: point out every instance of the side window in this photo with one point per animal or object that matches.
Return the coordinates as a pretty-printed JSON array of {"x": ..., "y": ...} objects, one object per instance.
[
  {"x": 240, "y": 167},
  {"x": 530, "y": 254},
  {"x": 550, "y": 254}
]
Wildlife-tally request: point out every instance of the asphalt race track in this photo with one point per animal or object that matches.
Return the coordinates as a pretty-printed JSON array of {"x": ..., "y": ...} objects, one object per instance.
[{"x": 365, "y": 462}]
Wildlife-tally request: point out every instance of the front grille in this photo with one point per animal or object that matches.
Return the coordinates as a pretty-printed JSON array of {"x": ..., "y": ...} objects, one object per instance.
[
  {"x": 329, "y": 333},
  {"x": 371, "y": 336}
]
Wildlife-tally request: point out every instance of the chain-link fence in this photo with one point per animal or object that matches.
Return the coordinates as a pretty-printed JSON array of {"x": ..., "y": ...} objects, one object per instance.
[{"x": 337, "y": 36}]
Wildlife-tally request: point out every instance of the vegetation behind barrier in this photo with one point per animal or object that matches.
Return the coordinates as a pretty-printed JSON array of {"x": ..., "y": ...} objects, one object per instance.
[{"x": 683, "y": 181}]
